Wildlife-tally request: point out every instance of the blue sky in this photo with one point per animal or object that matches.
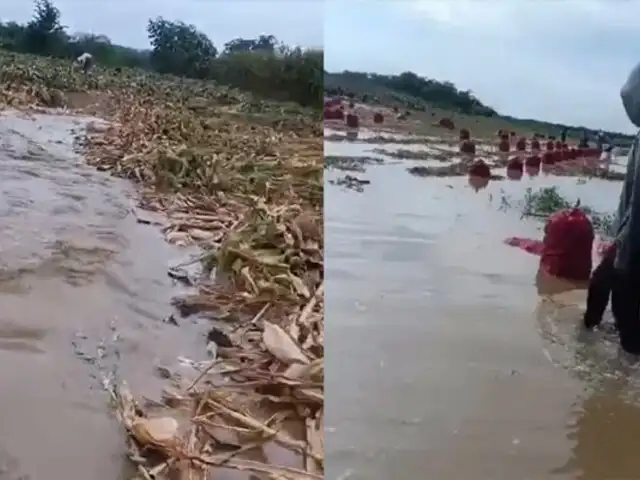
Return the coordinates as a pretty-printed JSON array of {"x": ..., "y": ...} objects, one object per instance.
[
  {"x": 296, "y": 22},
  {"x": 561, "y": 61}
]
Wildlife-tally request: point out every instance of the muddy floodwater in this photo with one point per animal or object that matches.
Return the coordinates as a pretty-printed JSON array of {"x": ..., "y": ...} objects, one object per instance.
[
  {"x": 443, "y": 362},
  {"x": 84, "y": 294}
]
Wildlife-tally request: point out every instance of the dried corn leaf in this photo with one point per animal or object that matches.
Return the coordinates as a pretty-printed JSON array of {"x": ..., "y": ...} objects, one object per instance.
[
  {"x": 161, "y": 431},
  {"x": 281, "y": 345}
]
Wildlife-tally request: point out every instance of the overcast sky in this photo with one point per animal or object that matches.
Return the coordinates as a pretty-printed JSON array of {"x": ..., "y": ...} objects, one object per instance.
[
  {"x": 562, "y": 60},
  {"x": 295, "y": 22}
]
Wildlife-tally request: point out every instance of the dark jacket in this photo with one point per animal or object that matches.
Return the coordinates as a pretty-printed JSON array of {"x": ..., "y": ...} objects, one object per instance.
[{"x": 628, "y": 214}]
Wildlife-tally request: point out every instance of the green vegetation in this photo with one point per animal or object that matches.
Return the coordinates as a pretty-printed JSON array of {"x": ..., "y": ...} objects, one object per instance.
[
  {"x": 408, "y": 90},
  {"x": 261, "y": 65},
  {"x": 548, "y": 200}
]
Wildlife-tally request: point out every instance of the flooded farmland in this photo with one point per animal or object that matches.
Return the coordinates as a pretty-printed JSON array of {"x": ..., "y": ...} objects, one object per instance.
[{"x": 444, "y": 362}]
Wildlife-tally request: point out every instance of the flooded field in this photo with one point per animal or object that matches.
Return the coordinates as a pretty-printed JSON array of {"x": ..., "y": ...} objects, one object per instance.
[
  {"x": 444, "y": 363},
  {"x": 84, "y": 292}
]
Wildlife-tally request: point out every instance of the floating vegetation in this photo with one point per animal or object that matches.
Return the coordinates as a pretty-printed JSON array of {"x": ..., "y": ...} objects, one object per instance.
[
  {"x": 350, "y": 182},
  {"x": 350, "y": 164},
  {"x": 546, "y": 201},
  {"x": 458, "y": 169},
  {"x": 378, "y": 139},
  {"x": 442, "y": 156}
]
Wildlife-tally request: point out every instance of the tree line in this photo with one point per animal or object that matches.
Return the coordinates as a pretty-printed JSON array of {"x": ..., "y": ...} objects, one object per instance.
[
  {"x": 412, "y": 87},
  {"x": 261, "y": 65},
  {"x": 413, "y": 91}
]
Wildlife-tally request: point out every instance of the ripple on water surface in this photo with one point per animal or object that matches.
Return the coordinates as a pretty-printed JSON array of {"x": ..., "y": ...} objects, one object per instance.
[
  {"x": 76, "y": 270},
  {"x": 440, "y": 349}
]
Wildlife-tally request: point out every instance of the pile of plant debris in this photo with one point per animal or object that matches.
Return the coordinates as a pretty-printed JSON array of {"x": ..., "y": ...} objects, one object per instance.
[{"x": 243, "y": 179}]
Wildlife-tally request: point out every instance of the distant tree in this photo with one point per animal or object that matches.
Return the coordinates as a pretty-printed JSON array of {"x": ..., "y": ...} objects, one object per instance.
[
  {"x": 12, "y": 36},
  {"x": 180, "y": 49},
  {"x": 264, "y": 44},
  {"x": 44, "y": 34}
]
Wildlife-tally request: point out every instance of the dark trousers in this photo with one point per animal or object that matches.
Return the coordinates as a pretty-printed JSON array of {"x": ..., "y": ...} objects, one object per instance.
[{"x": 624, "y": 290}]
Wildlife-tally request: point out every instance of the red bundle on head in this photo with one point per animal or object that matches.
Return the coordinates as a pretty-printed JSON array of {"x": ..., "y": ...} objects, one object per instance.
[
  {"x": 532, "y": 161},
  {"x": 479, "y": 169},
  {"x": 515, "y": 164},
  {"x": 532, "y": 170},
  {"x": 535, "y": 144},
  {"x": 572, "y": 154},
  {"x": 333, "y": 114},
  {"x": 515, "y": 169},
  {"x": 568, "y": 244},
  {"x": 467, "y": 146},
  {"x": 549, "y": 158}
]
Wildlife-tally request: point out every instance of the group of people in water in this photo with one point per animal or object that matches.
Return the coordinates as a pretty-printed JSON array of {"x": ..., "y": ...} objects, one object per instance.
[{"x": 617, "y": 277}]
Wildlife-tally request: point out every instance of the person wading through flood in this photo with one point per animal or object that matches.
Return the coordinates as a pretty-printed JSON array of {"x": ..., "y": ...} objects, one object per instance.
[
  {"x": 584, "y": 140},
  {"x": 619, "y": 271}
]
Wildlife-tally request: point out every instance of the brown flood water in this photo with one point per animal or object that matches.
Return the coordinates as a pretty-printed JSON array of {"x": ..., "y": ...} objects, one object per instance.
[
  {"x": 84, "y": 292},
  {"x": 442, "y": 361}
]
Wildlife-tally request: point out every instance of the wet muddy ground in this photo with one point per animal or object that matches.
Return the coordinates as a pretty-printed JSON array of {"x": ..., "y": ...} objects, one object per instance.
[
  {"x": 444, "y": 362},
  {"x": 85, "y": 295}
]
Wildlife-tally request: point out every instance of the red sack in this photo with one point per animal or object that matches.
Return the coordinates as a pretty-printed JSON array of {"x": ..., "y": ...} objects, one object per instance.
[
  {"x": 333, "y": 114},
  {"x": 468, "y": 147},
  {"x": 567, "y": 245}
]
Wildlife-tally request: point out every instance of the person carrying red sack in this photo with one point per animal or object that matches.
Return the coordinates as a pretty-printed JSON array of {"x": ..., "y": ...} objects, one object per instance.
[
  {"x": 567, "y": 246},
  {"x": 620, "y": 269}
]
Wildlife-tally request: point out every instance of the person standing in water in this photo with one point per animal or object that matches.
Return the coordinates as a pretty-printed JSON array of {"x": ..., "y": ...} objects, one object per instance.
[
  {"x": 620, "y": 270},
  {"x": 584, "y": 140},
  {"x": 602, "y": 140},
  {"x": 563, "y": 135}
]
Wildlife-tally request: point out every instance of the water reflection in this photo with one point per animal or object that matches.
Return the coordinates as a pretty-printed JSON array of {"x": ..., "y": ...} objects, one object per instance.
[{"x": 605, "y": 433}]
